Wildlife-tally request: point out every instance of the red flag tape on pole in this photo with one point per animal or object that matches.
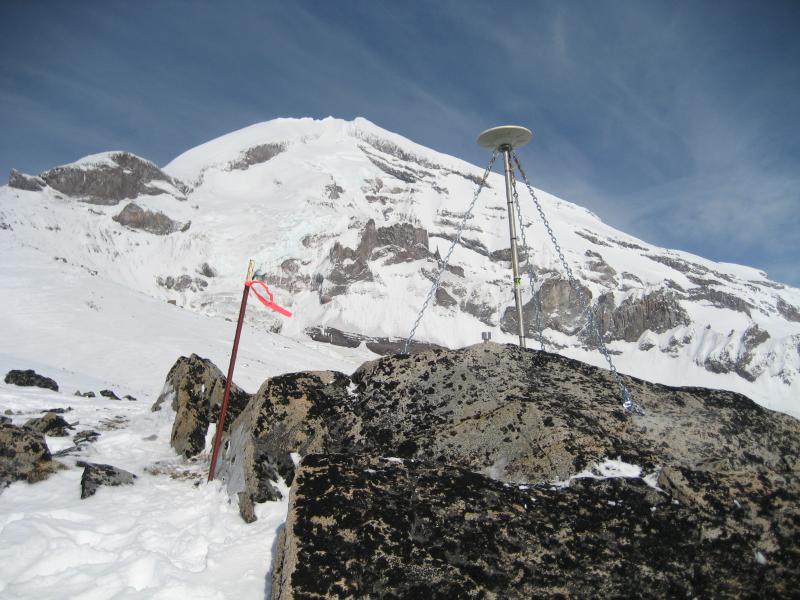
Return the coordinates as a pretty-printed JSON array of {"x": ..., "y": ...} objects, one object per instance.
[{"x": 269, "y": 303}]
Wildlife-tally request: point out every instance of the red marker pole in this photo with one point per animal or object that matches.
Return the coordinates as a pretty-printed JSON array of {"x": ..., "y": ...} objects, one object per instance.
[{"x": 224, "y": 409}]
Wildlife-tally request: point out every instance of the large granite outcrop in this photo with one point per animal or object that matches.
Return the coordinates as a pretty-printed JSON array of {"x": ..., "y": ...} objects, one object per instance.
[
  {"x": 111, "y": 178},
  {"x": 361, "y": 527},
  {"x": 464, "y": 474},
  {"x": 194, "y": 389},
  {"x": 513, "y": 414}
]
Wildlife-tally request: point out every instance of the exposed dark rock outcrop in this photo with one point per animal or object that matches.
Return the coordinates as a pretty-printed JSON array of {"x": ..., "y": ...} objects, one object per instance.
[
  {"x": 659, "y": 311},
  {"x": 720, "y": 299},
  {"x": 560, "y": 306},
  {"x": 445, "y": 518},
  {"x": 96, "y": 475},
  {"x": 738, "y": 358},
  {"x": 207, "y": 270},
  {"x": 400, "y": 242},
  {"x": 377, "y": 528},
  {"x": 115, "y": 177},
  {"x": 155, "y": 222},
  {"x": 257, "y": 155},
  {"x": 788, "y": 311},
  {"x": 181, "y": 283},
  {"x": 29, "y": 183},
  {"x": 378, "y": 345},
  {"x": 50, "y": 424},
  {"x": 513, "y": 414},
  {"x": 24, "y": 455},
  {"x": 194, "y": 388},
  {"x": 600, "y": 270},
  {"x": 87, "y": 436},
  {"x": 30, "y": 378}
]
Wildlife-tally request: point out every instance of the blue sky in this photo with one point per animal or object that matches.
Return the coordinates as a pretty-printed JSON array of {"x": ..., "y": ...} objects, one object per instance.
[{"x": 678, "y": 122}]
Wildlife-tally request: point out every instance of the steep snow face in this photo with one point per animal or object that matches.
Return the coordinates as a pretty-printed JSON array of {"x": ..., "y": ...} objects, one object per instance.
[{"x": 346, "y": 223}]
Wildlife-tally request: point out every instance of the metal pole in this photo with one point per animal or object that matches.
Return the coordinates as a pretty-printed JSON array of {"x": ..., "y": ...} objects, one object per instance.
[
  {"x": 224, "y": 408},
  {"x": 512, "y": 229}
]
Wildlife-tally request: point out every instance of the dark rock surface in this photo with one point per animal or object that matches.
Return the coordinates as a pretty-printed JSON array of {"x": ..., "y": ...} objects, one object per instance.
[
  {"x": 96, "y": 475},
  {"x": 194, "y": 389},
  {"x": 87, "y": 436},
  {"x": 30, "y": 378},
  {"x": 370, "y": 527},
  {"x": 50, "y": 424},
  {"x": 123, "y": 175},
  {"x": 378, "y": 345},
  {"x": 448, "y": 518},
  {"x": 109, "y": 394},
  {"x": 29, "y": 183},
  {"x": 24, "y": 455},
  {"x": 257, "y": 155},
  {"x": 400, "y": 242},
  {"x": 155, "y": 222},
  {"x": 181, "y": 283}
]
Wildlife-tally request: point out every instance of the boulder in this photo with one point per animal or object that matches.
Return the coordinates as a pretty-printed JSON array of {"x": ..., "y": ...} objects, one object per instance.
[
  {"x": 485, "y": 472},
  {"x": 194, "y": 389},
  {"x": 30, "y": 378},
  {"x": 96, "y": 475},
  {"x": 24, "y": 455},
  {"x": 50, "y": 424},
  {"x": 508, "y": 413},
  {"x": 109, "y": 394},
  {"x": 373, "y": 527}
]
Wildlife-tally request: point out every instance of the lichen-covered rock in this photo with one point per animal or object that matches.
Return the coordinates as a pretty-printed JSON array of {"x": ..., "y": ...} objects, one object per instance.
[
  {"x": 30, "y": 378},
  {"x": 24, "y": 455},
  {"x": 111, "y": 178},
  {"x": 300, "y": 412},
  {"x": 378, "y": 528},
  {"x": 136, "y": 217},
  {"x": 194, "y": 388},
  {"x": 513, "y": 414},
  {"x": 50, "y": 424},
  {"x": 96, "y": 475}
]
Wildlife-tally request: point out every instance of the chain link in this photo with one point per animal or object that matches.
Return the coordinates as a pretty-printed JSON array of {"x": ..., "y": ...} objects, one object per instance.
[
  {"x": 535, "y": 297},
  {"x": 446, "y": 259},
  {"x": 627, "y": 400}
]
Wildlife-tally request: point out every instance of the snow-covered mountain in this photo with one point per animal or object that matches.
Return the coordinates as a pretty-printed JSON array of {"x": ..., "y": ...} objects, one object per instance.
[{"x": 346, "y": 223}]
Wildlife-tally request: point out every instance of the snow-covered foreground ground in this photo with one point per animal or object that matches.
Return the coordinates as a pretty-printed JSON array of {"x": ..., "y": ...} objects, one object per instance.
[{"x": 170, "y": 535}]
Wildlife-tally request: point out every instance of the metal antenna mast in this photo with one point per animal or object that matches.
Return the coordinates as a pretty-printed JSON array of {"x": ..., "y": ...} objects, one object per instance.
[{"x": 504, "y": 139}]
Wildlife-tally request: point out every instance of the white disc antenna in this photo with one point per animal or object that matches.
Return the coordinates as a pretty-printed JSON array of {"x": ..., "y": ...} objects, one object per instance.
[{"x": 512, "y": 136}]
